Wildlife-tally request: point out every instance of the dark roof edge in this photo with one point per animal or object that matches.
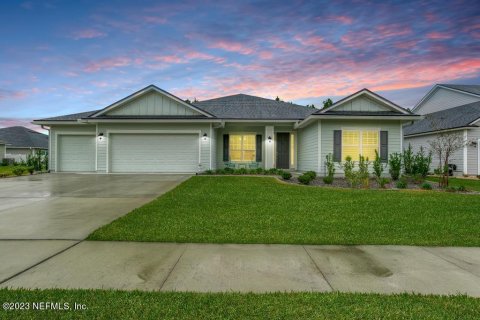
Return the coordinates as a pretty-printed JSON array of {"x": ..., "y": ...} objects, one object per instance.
[{"x": 441, "y": 130}]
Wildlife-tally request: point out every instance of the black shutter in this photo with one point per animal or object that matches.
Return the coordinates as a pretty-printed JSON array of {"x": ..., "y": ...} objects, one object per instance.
[
  {"x": 226, "y": 147},
  {"x": 337, "y": 145},
  {"x": 384, "y": 146},
  {"x": 258, "y": 146}
]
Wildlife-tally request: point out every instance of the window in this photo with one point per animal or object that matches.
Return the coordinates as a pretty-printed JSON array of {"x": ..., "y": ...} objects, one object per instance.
[
  {"x": 242, "y": 147},
  {"x": 356, "y": 142},
  {"x": 292, "y": 150}
]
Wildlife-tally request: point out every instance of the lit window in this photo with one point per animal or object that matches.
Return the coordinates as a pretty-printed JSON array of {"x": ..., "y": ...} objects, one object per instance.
[
  {"x": 292, "y": 150},
  {"x": 356, "y": 142},
  {"x": 242, "y": 147}
]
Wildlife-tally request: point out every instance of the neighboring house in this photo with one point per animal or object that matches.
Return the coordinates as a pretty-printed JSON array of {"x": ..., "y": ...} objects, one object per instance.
[
  {"x": 449, "y": 108},
  {"x": 21, "y": 141},
  {"x": 155, "y": 131},
  {"x": 3, "y": 148}
]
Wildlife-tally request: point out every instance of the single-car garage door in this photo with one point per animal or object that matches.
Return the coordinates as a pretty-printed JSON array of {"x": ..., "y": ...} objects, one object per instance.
[
  {"x": 164, "y": 153},
  {"x": 76, "y": 153}
]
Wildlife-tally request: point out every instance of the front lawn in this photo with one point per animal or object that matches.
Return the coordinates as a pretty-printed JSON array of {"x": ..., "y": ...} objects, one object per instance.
[
  {"x": 265, "y": 210},
  {"x": 470, "y": 184},
  {"x": 6, "y": 171},
  {"x": 108, "y": 304}
]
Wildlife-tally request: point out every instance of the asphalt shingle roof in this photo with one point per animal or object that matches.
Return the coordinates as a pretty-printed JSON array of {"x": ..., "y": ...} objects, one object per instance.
[
  {"x": 452, "y": 118},
  {"x": 470, "y": 88},
  {"x": 243, "y": 106},
  {"x": 22, "y": 137},
  {"x": 71, "y": 117}
]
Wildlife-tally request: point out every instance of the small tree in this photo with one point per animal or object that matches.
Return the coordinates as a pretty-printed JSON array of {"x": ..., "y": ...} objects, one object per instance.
[
  {"x": 408, "y": 159},
  {"x": 444, "y": 146},
  {"x": 378, "y": 166},
  {"x": 327, "y": 103}
]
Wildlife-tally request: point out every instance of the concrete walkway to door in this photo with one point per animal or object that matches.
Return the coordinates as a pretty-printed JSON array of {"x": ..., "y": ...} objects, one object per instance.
[{"x": 257, "y": 268}]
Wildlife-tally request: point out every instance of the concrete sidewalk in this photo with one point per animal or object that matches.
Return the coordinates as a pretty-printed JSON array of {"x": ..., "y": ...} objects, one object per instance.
[{"x": 243, "y": 268}]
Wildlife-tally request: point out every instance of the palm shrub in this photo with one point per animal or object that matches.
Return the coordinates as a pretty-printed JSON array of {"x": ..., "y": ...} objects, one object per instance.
[
  {"x": 330, "y": 169},
  {"x": 395, "y": 164}
]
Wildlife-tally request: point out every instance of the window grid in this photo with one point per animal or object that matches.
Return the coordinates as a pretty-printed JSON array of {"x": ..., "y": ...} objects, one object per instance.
[
  {"x": 360, "y": 142},
  {"x": 242, "y": 147}
]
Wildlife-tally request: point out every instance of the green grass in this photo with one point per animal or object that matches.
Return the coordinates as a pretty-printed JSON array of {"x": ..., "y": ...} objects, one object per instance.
[
  {"x": 470, "y": 184},
  {"x": 8, "y": 171},
  {"x": 264, "y": 210},
  {"x": 108, "y": 304}
]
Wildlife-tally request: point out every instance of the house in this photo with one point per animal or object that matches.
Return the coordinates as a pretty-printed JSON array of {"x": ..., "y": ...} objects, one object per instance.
[
  {"x": 152, "y": 130},
  {"x": 20, "y": 142},
  {"x": 3, "y": 149},
  {"x": 449, "y": 108}
]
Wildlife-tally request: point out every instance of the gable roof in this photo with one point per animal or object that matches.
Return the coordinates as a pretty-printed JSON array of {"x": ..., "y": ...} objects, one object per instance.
[
  {"x": 454, "y": 118},
  {"x": 470, "y": 89},
  {"x": 143, "y": 91},
  {"x": 243, "y": 106},
  {"x": 21, "y": 137},
  {"x": 395, "y": 107}
]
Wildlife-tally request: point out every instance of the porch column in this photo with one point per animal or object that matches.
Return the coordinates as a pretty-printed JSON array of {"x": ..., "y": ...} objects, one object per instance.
[{"x": 269, "y": 147}]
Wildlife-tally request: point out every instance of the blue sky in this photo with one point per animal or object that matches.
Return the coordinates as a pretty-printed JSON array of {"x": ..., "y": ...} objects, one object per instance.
[{"x": 59, "y": 57}]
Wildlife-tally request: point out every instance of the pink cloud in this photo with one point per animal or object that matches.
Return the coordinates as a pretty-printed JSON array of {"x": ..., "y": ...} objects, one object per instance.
[
  {"x": 339, "y": 19},
  {"x": 232, "y": 46},
  {"x": 438, "y": 36},
  {"x": 315, "y": 42},
  {"x": 393, "y": 30},
  {"x": 363, "y": 38},
  {"x": 405, "y": 44},
  {"x": 107, "y": 64},
  {"x": 5, "y": 123},
  {"x": 12, "y": 94},
  {"x": 88, "y": 34},
  {"x": 265, "y": 55}
]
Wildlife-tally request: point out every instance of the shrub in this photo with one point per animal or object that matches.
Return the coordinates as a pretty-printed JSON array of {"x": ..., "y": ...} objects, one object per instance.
[
  {"x": 240, "y": 171},
  {"x": 286, "y": 175},
  {"x": 18, "y": 171},
  {"x": 421, "y": 163},
  {"x": 363, "y": 171},
  {"x": 3, "y": 174},
  {"x": 4, "y": 162},
  {"x": 258, "y": 170},
  {"x": 220, "y": 171},
  {"x": 350, "y": 175},
  {"x": 271, "y": 171},
  {"x": 450, "y": 189},
  {"x": 426, "y": 186},
  {"x": 31, "y": 169},
  {"x": 401, "y": 184},
  {"x": 395, "y": 163},
  {"x": 328, "y": 180},
  {"x": 305, "y": 178},
  {"x": 378, "y": 166},
  {"x": 228, "y": 170},
  {"x": 312, "y": 174},
  {"x": 330, "y": 167},
  {"x": 209, "y": 172},
  {"x": 417, "y": 178},
  {"x": 408, "y": 159},
  {"x": 383, "y": 182},
  {"x": 461, "y": 188}
]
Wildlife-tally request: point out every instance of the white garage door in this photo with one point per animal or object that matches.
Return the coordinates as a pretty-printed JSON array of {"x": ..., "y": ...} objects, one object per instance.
[
  {"x": 134, "y": 152},
  {"x": 76, "y": 153}
]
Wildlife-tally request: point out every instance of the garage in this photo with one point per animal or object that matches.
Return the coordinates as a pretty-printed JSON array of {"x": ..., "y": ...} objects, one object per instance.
[
  {"x": 76, "y": 153},
  {"x": 163, "y": 153}
]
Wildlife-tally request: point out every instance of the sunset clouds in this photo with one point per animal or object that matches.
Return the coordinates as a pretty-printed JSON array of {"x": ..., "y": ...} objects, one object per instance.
[{"x": 71, "y": 57}]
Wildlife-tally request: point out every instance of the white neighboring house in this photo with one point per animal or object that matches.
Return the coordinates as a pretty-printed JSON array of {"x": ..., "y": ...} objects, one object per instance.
[
  {"x": 452, "y": 108},
  {"x": 20, "y": 141}
]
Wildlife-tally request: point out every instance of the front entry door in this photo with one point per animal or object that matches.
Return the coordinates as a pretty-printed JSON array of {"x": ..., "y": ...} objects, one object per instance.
[{"x": 283, "y": 150}]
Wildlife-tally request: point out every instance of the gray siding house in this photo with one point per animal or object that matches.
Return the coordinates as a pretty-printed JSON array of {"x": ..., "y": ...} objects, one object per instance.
[
  {"x": 449, "y": 108},
  {"x": 154, "y": 131},
  {"x": 20, "y": 142}
]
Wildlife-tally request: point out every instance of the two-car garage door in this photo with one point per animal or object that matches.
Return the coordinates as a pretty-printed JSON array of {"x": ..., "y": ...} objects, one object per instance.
[{"x": 139, "y": 152}]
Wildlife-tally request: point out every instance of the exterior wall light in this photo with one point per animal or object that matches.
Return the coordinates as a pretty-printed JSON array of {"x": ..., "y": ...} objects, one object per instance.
[
  {"x": 205, "y": 137},
  {"x": 100, "y": 136},
  {"x": 269, "y": 139}
]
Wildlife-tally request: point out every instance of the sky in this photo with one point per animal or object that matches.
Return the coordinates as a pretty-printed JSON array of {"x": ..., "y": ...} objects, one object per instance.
[{"x": 61, "y": 57}]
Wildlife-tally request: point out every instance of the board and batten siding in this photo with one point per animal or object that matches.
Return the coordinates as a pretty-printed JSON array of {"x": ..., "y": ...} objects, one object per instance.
[
  {"x": 423, "y": 140},
  {"x": 443, "y": 99},
  {"x": 56, "y": 130},
  {"x": 362, "y": 104},
  {"x": 328, "y": 127},
  {"x": 102, "y": 147},
  {"x": 153, "y": 103},
  {"x": 307, "y": 148}
]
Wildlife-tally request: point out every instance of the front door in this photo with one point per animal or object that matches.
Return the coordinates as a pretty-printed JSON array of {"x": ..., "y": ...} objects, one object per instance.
[{"x": 283, "y": 150}]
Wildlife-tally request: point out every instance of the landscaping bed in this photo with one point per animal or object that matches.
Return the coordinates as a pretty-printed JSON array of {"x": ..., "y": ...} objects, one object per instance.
[{"x": 111, "y": 304}]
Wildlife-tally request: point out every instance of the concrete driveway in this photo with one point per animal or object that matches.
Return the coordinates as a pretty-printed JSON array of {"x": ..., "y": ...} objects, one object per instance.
[{"x": 71, "y": 206}]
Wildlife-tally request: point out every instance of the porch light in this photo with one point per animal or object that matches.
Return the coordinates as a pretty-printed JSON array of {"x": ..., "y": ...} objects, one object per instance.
[
  {"x": 269, "y": 139},
  {"x": 100, "y": 136},
  {"x": 205, "y": 136}
]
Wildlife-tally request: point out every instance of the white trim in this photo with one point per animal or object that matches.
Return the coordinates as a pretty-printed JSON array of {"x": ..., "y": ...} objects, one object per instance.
[
  {"x": 435, "y": 132},
  {"x": 372, "y": 96},
  {"x": 475, "y": 122},
  {"x": 47, "y": 123},
  {"x": 401, "y": 137},
  {"x": 312, "y": 117},
  {"x": 465, "y": 152},
  {"x": 67, "y": 133},
  {"x": 478, "y": 157},
  {"x": 199, "y": 132},
  {"x": 429, "y": 93},
  {"x": 211, "y": 135},
  {"x": 319, "y": 146},
  {"x": 145, "y": 91},
  {"x": 96, "y": 147}
]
